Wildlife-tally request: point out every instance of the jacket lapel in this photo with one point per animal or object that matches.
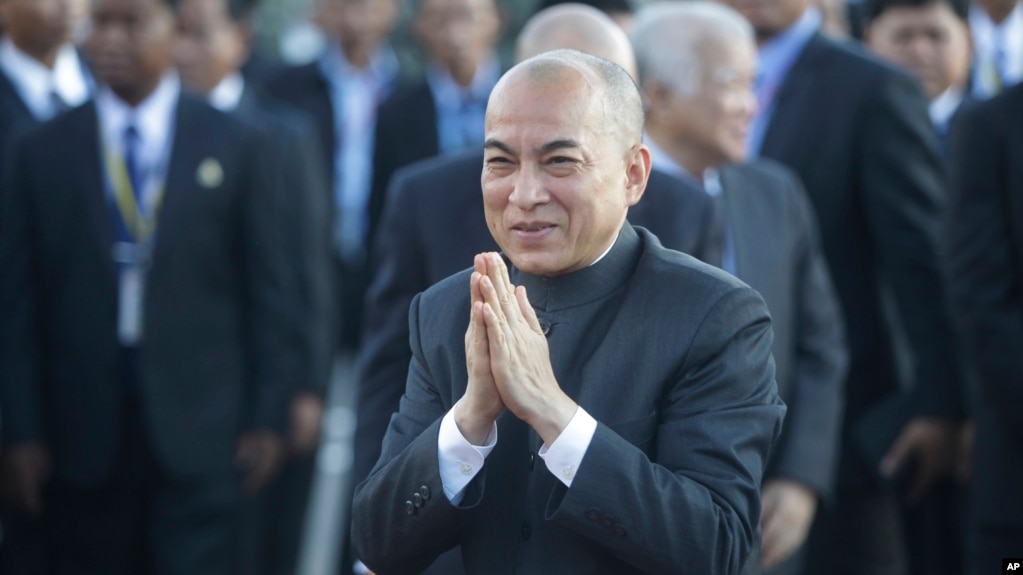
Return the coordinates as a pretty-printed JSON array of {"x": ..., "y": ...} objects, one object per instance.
[
  {"x": 91, "y": 181},
  {"x": 179, "y": 184},
  {"x": 795, "y": 97}
]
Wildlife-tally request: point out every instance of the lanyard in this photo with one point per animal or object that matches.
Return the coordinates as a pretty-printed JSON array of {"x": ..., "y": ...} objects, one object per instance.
[{"x": 138, "y": 212}]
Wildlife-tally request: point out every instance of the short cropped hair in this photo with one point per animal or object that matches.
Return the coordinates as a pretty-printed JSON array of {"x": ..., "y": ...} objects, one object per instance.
[{"x": 667, "y": 37}]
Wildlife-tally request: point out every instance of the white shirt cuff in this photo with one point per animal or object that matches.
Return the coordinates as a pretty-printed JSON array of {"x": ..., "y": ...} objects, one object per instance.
[
  {"x": 460, "y": 460},
  {"x": 564, "y": 456}
]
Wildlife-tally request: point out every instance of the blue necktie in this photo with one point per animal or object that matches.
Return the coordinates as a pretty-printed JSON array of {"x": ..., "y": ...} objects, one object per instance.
[{"x": 131, "y": 163}]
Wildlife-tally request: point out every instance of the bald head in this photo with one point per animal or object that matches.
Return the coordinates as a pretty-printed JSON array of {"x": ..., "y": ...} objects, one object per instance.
[
  {"x": 576, "y": 27},
  {"x": 675, "y": 42},
  {"x": 610, "y": 86}
]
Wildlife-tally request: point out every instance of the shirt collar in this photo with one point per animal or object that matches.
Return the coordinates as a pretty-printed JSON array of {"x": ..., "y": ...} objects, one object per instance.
[
  {"x": 226, "y": 95},
  {"x": 598, "y": 280},
  {"x": 447, "y": 92},
  {"x": 35, "y": 82},
  {"x": 944, "y": 106},
  {"x": 1010, "y": 32},
  {"x": 153, "y": 117},
  {"x": 778, "y": 54}
]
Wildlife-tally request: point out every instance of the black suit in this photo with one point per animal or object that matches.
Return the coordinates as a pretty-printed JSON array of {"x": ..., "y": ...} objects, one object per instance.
[
  {"x": 985, "y": 272},
  {"x": 858, "y": 135},
  {"x": 276, "y": 529},
  {"x": 682, "y": 388},
  {"x": 220, "y": 325},
  {"x": 432, "y": 227},
  {"x": 13, "y": 111},
  {"x": 406, "y": 132}
]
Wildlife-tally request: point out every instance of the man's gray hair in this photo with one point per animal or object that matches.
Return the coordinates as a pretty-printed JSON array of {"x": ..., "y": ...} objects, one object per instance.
[{"x": 668, "y": 39}]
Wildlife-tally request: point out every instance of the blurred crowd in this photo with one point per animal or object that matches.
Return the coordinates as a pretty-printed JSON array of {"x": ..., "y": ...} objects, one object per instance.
[{"x": 192, "y": 231}]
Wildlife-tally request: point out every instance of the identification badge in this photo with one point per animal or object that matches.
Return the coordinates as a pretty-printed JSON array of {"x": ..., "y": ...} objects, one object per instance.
[{"x": 129, "y": 314}]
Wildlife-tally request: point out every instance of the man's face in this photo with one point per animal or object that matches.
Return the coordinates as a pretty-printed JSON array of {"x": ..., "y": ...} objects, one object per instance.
[
  {"x": 209, "y": 46},
  {"x": 558, "y": 177},
  {"x": 715, "y": 118},
  {"x": 458, "y": 33},
  {"x": 361, "y": 24},
  {"x": 930, "y": 41},
  {"x": 131, "y": 41},
  {"x": 769, "y": 17},
  {"x": 38, "y": 26}
]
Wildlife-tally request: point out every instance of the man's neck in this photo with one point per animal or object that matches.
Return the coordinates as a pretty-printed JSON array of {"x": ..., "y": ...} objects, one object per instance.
[
  {"x": 135, "y": 95},
  {"x": 692, "y": 159},
  {"x": 997, "y": 10},
  {"x": 464, "y": 75},
  {"x": 358, "y": 56},
  {"x": 46, "y": 56}
]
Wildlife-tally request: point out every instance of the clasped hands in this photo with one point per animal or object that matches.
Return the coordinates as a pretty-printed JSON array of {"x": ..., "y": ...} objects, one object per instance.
[{"x": 507, "y": 359}]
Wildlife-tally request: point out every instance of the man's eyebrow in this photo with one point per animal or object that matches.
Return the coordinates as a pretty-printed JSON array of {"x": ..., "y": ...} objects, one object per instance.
[
  {"x": 556, "y": 145},
  {"x": 492, "y": 143}
]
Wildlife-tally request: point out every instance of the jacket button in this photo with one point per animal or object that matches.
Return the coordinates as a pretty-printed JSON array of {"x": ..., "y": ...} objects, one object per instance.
[
  {"x": 526, "y": 531},
  {"x": 424, "y": 491},
  {"x": 410, "y": 508},
  {"x": 532, "y": 460},
  {"x": 593, "y": 514},
  {"x": 417, "y": 500},
  {"x": 619, "y": 530},
  {"x": 545, "y": 326},
  {"x": 608, "y": 521}
]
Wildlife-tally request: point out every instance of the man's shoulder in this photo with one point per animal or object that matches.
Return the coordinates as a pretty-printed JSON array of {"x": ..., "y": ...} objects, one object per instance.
[
  {"x": 293, "y": 79},
  {"x": 676, "y": 273},
  {"x": 850, "y": 68},
  {"x": 409, "y": 97},
  {"x": 454, "y": 173}
]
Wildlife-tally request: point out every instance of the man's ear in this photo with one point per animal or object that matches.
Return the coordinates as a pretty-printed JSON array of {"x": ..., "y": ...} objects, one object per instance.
[{"x": 637, "y": 172}]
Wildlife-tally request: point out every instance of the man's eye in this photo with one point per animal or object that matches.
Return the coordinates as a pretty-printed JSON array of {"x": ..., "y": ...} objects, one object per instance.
[{"x": 560, "y": 160}]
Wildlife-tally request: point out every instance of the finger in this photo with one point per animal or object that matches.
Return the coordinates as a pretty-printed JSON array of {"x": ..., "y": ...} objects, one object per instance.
[
  {"x": 493, "y": 298},
  {"x": 527, "y": 309},
  {"x": 498, "y": 273},
  {"x": 496, "y": 338},
  {"x": 771, "y": 529},
  {"x": 475, "y": 294},
  {"x": 922, "y": 479},
  {"x": 897, "y": 454}
]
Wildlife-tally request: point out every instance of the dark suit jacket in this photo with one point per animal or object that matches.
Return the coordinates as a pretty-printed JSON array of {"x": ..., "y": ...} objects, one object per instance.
[
  {"x": 433, "y": 227},
  {"x": 298, "y": 167},
  {"x": 985, "y": 272},
  {"x": 684, "y": 392},
  {"x": 406, "y": 132},
  {"x": 778, "y": 253},
  {"x": 859, "y": 136},
  {"x": 218, "y": 324},
  {"x": 13, "y": 111}
]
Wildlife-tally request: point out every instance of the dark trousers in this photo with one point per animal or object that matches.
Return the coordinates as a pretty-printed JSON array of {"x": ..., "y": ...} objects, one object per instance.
[
  {"x": 860, "y": 534},
  {"x": 994, "y": 543},
  {"x": 935, "y": 533},
  {"x": 275, "y": 520},
  {"x": 139, "y": 519}
]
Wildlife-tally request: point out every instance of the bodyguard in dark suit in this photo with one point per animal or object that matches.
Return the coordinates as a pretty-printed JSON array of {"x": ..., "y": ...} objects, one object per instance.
[
  {"x": 442, "y": 113},
  {"x": 697, "y": 63},
  {"x": 149, "y": 339},
  {"x": 931, "y": 40},
  {"x": 210, "y": 49},
  {"x": 651, "y": 415},
  {"x": 41, "y": 74},
  {"x": 985, "y": 271},
  {"x": 858, "y": 135},
  {"x": 341, "y": 91}
]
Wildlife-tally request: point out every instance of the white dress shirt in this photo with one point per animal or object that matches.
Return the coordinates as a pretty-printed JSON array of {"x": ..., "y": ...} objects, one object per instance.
[
  {"x": 36, "y": 84},
  {"x": 990, "y": 38}
]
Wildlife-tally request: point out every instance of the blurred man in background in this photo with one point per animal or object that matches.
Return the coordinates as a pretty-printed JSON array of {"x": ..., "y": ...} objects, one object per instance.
[
  {"x": 341, "y": 91},
  {"x": 697, "y": 63},
  {"x": 858, "y": 134},
  {"x": 213, "y": 42},
  {"x": 931, "y": 39},
  {"x": 150, "y": 339}
]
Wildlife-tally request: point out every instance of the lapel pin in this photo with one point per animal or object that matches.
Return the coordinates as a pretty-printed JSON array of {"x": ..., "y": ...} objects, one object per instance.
[{"x": 209, "y": 175}]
